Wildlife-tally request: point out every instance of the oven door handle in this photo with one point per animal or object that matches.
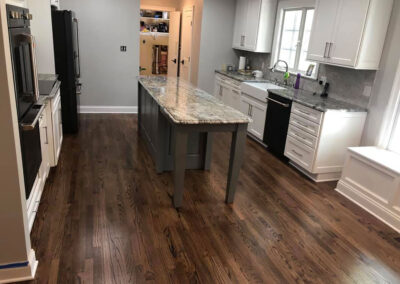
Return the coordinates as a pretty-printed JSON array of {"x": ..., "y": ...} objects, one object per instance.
[
  {"x": 32, "y": 125},
  {"x": 32, "y": 46},
  {"x": 278, "y": 102}
]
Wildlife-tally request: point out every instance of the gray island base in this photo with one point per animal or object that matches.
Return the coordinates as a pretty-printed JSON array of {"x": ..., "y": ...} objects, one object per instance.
[{"x": 177, "y": 121}]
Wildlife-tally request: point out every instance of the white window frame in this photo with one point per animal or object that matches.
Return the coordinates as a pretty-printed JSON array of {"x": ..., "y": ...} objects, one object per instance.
[
  {"x": 283, "y": 6},
  {"x": 392, "y": 114}
]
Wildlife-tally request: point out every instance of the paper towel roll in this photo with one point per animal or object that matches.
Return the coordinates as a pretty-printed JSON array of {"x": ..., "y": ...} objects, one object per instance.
[{"x": 242, "y": 63}]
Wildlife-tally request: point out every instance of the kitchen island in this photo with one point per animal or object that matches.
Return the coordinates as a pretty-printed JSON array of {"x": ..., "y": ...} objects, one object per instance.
[{"x": 177, "y": 121}]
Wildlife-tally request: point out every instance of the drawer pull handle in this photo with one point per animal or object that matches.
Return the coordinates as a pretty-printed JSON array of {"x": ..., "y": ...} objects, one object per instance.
[
  {"x": 297, "y": 135},
  {"x": 304, "y": 112},
  {"x": 302, "y": 124},
  {"x": 297, "y": 154}
]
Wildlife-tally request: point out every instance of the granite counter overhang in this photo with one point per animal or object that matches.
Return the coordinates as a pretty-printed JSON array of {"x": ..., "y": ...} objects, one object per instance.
[
  {"x": 315, "y": 101},
  {"x": 184, "y": 103}
]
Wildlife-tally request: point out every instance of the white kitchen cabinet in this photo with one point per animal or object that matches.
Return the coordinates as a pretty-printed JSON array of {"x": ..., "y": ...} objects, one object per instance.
[
  {"x": 257, "y": 111},
  {"x": 254, "y": 25},
  {"x": 44, "y": 141},
  {"x": 228, "y": 91},
  {"x": 317, "y": 142},
  {"x": 55, "y": 131},
  {"x": 349, "y": 33}
]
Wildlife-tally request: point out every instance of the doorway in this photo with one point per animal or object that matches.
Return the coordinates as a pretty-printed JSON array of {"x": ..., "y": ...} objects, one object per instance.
[{"x": 166, "y": 41}]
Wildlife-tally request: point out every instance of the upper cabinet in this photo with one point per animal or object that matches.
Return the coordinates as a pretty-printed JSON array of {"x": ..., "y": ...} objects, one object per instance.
[
  {"x": 349, "y": 33},
  {"x": 254, "y": 25}
]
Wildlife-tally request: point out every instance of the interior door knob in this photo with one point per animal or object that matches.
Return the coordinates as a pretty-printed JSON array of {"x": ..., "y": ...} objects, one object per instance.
[
  {"x": 174, "y": 60},
  {"x": 183, "y": 62}
]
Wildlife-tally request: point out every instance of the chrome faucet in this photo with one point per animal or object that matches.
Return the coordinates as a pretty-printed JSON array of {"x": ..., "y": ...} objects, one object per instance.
[{"x": 285, "y": 76}]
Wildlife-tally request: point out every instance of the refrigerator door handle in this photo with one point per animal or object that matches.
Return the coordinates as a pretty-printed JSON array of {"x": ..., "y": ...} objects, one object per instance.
[{"x": 77, "y": 43}]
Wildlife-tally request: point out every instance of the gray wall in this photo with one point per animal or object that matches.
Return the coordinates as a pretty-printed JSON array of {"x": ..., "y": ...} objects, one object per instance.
[
  {"x": 384, "y": 80},
  {"x": 108, "y": 75},
  {"x": 216, "y": 40}
]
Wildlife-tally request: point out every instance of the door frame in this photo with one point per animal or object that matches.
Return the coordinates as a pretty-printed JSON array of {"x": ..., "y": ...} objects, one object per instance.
[{"x": 192, "y": 8}]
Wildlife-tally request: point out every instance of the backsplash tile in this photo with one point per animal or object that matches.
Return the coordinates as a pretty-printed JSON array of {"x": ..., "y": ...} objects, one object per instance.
[{"x": 345, "y": 84}]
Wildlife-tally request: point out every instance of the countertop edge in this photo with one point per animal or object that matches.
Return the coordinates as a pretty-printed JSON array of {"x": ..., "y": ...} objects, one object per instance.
[{"x": 174, "y": 120}]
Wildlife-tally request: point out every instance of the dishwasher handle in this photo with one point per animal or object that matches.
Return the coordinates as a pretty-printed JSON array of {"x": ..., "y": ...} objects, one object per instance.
[{"x": 279, "y": 103}]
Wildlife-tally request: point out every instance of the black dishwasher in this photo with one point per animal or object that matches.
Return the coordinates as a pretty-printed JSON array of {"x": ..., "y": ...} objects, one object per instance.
[{"x": 277, "y": 124}]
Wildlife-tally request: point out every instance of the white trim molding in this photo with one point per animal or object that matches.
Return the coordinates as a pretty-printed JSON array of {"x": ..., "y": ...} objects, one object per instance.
[
  {"x": 20, "y": 273},
  {"x": 371, "y": 179},
  {"x": 108, "y": 109}
]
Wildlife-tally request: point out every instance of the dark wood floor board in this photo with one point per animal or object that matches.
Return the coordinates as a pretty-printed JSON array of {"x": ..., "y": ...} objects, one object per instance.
[{"x": 106, "y": 216}]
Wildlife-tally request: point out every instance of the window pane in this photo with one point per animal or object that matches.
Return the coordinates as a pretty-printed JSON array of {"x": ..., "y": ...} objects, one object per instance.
[
  {"x": 290, "y": 36},
  {"x": 303, "y": 63},
  {"x": 395, "y": 140}
]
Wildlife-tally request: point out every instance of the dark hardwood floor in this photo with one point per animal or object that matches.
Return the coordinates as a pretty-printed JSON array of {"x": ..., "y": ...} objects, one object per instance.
[{"x": 106, "y": 217}]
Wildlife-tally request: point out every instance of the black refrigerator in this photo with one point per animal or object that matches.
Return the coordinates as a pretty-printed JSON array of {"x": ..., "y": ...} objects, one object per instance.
[{"x": 67, "y": 60}]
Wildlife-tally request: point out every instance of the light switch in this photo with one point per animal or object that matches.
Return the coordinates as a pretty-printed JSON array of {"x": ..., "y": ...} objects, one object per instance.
[{"x": 123, "y": 48}]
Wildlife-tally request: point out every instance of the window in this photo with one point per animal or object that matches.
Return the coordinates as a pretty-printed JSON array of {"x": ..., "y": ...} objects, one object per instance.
[{"x": 291, "y": 45}]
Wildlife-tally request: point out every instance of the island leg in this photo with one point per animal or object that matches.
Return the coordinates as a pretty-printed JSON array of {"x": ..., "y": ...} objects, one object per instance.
[
  {"x": 180, "y": 149},
  {"x": 236, "y": 160}
]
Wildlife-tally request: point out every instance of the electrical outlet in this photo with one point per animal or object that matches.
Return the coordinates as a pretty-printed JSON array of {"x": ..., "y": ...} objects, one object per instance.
[
  {"x": 323, "y": 80},
  {"x": 123, "y": 48},
  {"x": 367, "y": 91}
]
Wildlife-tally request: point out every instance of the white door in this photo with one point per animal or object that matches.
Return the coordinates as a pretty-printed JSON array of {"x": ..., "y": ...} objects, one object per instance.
[
  {"x": 252, "y": 23},
  {"x": 322, "y": 30},
  {"x": 173, "y": 43},
  {"x": 348, "y": 32},
  {"x": 240, "y": 24},
  {"x": 186, "y": 44}
]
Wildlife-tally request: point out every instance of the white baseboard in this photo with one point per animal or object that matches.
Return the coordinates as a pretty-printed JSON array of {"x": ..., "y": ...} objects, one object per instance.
[
  {"x": 108, "y": 109},
  {"x": 373, "y": 207},
  {"x": 18, "y": 274}
]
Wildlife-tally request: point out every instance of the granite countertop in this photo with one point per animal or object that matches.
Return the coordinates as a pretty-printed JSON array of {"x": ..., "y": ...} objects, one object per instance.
[
  {"x": 315, "y": 101},
  {"x": 186, "y": 104},
  {"x": 240, "y": 77}
]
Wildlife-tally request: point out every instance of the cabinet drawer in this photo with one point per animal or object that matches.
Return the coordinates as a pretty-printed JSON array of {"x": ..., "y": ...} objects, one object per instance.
[
  {"x": 304, "y": 124},
  {"x": 307, "y": 113},
  {"x": 302, "y": 136},
  {"x": 299, "y": 153},
  {"x": 227, "y": 80}
]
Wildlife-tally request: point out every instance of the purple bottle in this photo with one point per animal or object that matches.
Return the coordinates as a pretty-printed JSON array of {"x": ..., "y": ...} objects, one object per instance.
[{"x": 297, "y": 84}]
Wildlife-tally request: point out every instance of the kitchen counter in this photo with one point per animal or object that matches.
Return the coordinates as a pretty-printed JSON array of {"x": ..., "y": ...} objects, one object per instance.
[
  {"x": 186, "y": 104},
  {"x": 240, "y": 77},
  {"x": 315, "y": 101},
  {"x": 177, "y": 122}
]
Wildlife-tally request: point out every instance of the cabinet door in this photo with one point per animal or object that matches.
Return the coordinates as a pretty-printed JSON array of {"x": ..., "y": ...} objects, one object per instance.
[
  {"x": 240, "y": 23},
  {"x": 236, "y": 100},
  {"x": 226, "y": 94},
  {"x": 322, "y": 30},
  {"x": 252, "y": 24},
  {"x": 348, "y": 33},
  {"x": 258, "y": 113},
  {"x": 44, "y": 141}
]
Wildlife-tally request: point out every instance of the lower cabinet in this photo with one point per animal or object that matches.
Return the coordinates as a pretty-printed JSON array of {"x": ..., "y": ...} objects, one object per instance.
[
  {"x": 257, "y": 111},
  {"x": 51, "y": 137},
  {"x": 317, "y": 142},
  {"x": 53, "y": 111},
  {"x": 228, "y": 91}
]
